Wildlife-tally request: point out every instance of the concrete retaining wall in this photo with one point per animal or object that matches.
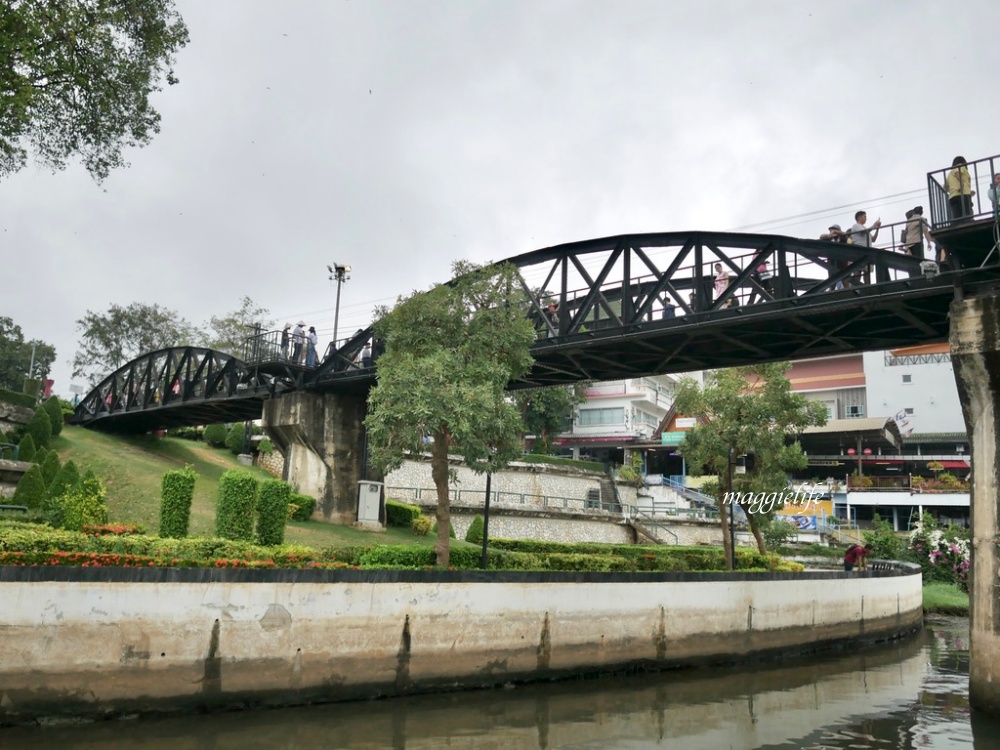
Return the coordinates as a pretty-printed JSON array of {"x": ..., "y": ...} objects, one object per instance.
[{"x": 104, "y": 641}]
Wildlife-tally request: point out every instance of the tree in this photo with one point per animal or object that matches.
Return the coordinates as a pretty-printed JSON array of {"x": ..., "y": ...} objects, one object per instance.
[
  {"x": 15, "y": 354},
  {"x": 545, "y": 411},
  {"x": 111, "y": 339},
  {"x": 746, "y": 411},
  {"x": 77, "y": 76},
  {"x": 227, "y": 334},
  {"x": 449, "y": 355}
]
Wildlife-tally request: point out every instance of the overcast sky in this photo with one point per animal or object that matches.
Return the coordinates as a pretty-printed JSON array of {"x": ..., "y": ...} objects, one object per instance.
[{"x": 400, "y": 136}]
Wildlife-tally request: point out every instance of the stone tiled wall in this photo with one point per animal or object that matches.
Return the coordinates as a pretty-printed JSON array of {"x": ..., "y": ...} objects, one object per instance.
[{"x": 273, "y": 463}]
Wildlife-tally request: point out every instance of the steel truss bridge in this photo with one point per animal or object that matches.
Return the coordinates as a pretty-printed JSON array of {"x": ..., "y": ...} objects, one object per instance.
[{"x": 628, "y": 306}]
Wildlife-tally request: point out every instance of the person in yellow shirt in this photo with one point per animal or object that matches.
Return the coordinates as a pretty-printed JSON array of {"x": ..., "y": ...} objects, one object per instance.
[{"x": 960, "y": 190}]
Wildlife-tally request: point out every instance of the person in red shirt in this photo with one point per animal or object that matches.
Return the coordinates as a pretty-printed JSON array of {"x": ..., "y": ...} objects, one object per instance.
[{"x": 857, "y": 555}]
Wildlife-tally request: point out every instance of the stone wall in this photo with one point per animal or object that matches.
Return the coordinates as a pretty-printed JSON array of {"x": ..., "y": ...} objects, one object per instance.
[
  {"x": 101, "y": 642},
  {"x": 273, "y": 463},
  {"x": 13, "y": 416}
]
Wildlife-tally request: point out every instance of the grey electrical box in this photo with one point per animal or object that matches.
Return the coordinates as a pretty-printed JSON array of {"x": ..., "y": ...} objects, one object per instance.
[{"x": 369, "y": 501}]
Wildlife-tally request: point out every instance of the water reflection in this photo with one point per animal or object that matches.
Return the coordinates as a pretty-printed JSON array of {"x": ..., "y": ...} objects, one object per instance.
[{"x": 906, "y": 695}]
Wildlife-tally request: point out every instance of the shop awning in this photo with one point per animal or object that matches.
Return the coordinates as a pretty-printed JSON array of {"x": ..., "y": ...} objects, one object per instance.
[{"x": 954, "y": 464}]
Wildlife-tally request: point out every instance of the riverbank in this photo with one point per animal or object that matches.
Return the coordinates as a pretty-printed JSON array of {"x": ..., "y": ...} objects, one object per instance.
[{"x": 945, "y": 599}]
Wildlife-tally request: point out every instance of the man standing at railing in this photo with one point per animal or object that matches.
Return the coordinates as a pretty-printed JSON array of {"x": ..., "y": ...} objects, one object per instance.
[
  {"x": 857, "y": 555},
  {"x": 862, "y": 235}
]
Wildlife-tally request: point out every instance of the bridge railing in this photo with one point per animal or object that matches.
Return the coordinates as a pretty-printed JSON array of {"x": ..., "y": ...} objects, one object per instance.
[
  {"x": 9, "y": 451},
  {"x": 948, "y": 206},
  {"x": 749, "y": 281}
]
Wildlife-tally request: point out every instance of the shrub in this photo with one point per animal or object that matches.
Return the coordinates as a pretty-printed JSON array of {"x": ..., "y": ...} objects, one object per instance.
[
  {"x": 235, "y": 438},
  {"x": 475, "y": 532},
  {"x": 67, "y": 476},
  {"x": 301, "y": 507},
  {"x": 176, "y": 493},
  {"x": 885, "y": 544},
  {"x": 185, "y": 433},
  {"x": 943, "y": 554},
  {"x": 40, "y": 455},
  {"x": 84, "y": 504},
  {"x": 215, "y": 435},
  {"x": 31, "y": 489},
  {"x": 40, "y": 428},
  {"x": 50, "y": 467},
  {"x": 55, "y": 412},
  {"x": 234, "y": 511},
  {"x": 451, "y": 530},
  {"x": 26, "y": 448},
  {"x": 265, "y": 447},
  {"x": 272, "y": 510},
  {"x": 400, "y": 514},
  {"x": 421, "y": 525}
]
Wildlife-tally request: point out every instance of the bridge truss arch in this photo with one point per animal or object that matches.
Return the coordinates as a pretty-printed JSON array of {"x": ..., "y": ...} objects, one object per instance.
[{"x": 176, "y": 387}]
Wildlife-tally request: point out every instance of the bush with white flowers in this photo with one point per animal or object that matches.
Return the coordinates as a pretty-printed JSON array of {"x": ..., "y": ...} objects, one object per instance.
[{"x": 943, "y": 553}]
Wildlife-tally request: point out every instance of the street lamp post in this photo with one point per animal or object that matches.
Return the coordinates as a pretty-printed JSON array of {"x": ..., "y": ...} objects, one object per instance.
[{"x": 339, "y": 274}]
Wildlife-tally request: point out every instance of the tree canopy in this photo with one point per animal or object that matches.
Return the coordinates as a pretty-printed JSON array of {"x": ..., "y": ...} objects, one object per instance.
[
  {"x": 227, "y": 333},
  {"x": 110, "y": 340},
  {"x": 77, "y": 78},
  {"x": 15, "y": 356},
  {"x": 449, "y": 355},
  {"x": 746, "y": 411},
  {"x": 545, "y": 411}
]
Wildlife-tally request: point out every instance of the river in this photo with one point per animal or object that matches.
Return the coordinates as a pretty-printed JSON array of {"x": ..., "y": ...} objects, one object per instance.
[{"x": 909, "y": 694}]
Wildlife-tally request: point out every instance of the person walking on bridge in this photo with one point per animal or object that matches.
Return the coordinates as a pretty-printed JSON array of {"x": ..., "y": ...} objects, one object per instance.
[
  {"x": 298, "y": 338},
  {"x": 960, "y": 190},
  {"x": 916, "y": 231}
]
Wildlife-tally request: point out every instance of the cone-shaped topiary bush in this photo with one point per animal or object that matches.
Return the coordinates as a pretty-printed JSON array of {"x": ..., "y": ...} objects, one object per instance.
[
  {"x": 50, "y": 467},
  {"x": 53, "y": 408},
  {"x": 40, "y": 455},
  {"x": 40, "y": 428},
  {"x": 234, "y": 441},
  {"x": 475, "y": 533},
  {"x": 272, "y": 510},
  {"x": 31, "y": 489},
  {"x": 66, "y": 477},
  {"x": 26, "y": 449},
  {"x": 175, "y": 502},
  {"x": 234, "y": 511}
]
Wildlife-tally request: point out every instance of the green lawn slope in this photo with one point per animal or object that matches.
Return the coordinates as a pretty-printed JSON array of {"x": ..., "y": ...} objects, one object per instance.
[{"x": 132, "y": 467}]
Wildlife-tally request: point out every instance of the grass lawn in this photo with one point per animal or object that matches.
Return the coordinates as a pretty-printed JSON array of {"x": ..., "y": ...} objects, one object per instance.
[
  {"x": 945, "y": 599},
  {"x": 131, "y": 468}
]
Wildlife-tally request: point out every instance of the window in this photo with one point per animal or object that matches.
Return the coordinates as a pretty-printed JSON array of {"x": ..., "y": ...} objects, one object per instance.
[
  {"x": 592, "y": 417},
  {"x": 907, "y": 379},
  {"x": 854, "y": 411},
  {"x": 908, "y": 410}
]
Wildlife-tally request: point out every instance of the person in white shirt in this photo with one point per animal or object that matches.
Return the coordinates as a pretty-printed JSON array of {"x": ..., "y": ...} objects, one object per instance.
[
  {"x": 298, "y": 338},
  {"x": 312, "y": 340},
  {"x": 862, "y": 235}
]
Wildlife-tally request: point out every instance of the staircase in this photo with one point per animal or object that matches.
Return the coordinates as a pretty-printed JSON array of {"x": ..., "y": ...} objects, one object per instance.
[{"x": 609, "y": 495}]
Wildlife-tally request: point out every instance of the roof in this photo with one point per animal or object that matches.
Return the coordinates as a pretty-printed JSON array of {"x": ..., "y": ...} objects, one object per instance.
[{"x": 862, "y": 424}]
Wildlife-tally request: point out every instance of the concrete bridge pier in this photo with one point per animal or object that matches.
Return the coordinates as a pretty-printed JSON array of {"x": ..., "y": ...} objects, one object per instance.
[
  {"x": 975, "y": 351},
  {"x": 323, "y": 439}
]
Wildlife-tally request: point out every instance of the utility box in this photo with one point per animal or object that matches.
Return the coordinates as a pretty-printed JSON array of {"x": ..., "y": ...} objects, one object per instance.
[{"x": 370, "y": 513}]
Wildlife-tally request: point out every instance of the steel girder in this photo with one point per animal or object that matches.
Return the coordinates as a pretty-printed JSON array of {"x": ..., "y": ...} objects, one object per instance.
[{"x": 178, "y": 386}]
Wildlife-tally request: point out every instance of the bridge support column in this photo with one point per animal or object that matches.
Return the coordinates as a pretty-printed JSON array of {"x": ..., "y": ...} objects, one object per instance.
[
  {"x": 975, "y": 347},
  {"x": 323, "y": 439}
]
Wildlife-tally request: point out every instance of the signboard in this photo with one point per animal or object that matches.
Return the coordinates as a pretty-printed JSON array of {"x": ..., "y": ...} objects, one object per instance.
[
  {"x": 686, "y": 423},
  {"x": 672, "y": 438}
]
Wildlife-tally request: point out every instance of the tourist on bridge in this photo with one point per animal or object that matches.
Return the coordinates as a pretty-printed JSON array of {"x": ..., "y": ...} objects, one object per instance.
[
  {"x": 960, "y": 190},
  {"x": 312, "y": 339},
  {"x": 298, "y": 338},
  {"x": 917, "y": 229},
  {"x": 857, "y": 555},
  {"x": 994, "y": 193},
  {"x": 721, "y": 280},
  {"x": 284, "y": 340},
  {"x": 835, "y": 234},
  {"x": 862, "y": 235},
  {"x": 366, "y": 356}
]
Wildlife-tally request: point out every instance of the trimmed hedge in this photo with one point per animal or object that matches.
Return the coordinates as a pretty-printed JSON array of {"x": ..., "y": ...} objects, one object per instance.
[
  {"x": 176, "y": 493},
  {"x": 234, "y": 511},
  {"x": 53, "y": 408},
  {"x": 272, "y": 511},
  {"x": 303, "y": 505},
  {"x": 421, "y": 526},
  {"x": 30, "y": 489},
  {"x": 17, "y": 399},
  {"x": 401, "y": 514},
  {"x": 84, "y": 504}
]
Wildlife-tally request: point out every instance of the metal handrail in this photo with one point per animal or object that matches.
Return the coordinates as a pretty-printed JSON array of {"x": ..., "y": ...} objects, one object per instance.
[
  {"x": 498, "y": 497},
  {"x": 14, "y": 450},
  {"x": 640, "y": 519}
]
